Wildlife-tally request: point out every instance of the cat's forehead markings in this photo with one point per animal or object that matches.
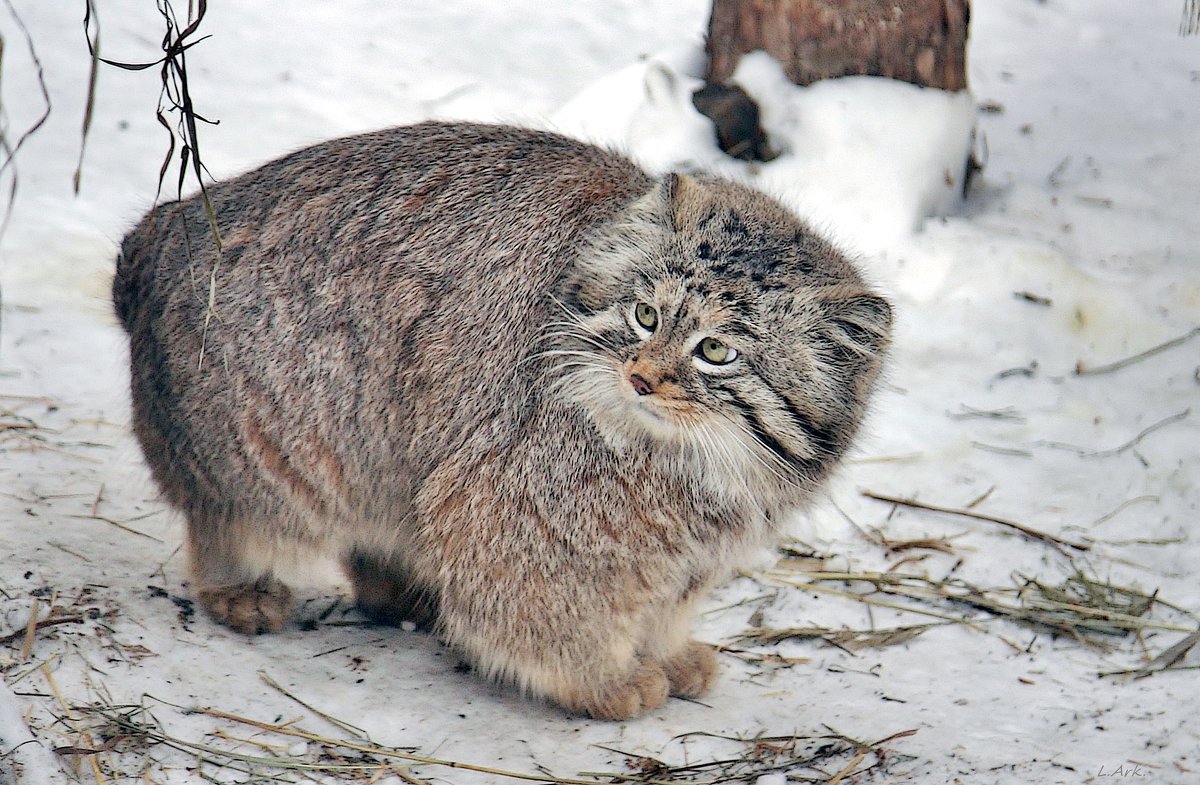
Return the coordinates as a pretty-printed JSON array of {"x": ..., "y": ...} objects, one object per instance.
[
  {"x": 713, "y": 311},
  {"x": 733, "y": 226},
  {"x": 708, "y": 218}
]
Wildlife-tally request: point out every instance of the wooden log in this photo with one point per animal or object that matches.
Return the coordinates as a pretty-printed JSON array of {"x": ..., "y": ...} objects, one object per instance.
[{"x": 919, "y": 41}]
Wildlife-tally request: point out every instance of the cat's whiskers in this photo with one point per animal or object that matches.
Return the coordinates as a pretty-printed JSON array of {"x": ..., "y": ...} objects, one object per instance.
[
  {"x": 557, "y": 353},
  {"x": 575, "y": 319},
  {"x": 741, "y": 457},
  {"x": 592, "y": 393},
  {"x": 555, "y": 370},
  {"x": 776, "y": 466},
  {"x": 732, "y": 454},
  {"x": 719, "y": 464},
  {"x": 577, "y": 336},
  {"x": 574, "y": 324}
]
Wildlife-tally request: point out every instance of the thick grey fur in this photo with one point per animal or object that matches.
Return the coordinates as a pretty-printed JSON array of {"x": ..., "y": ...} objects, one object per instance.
[{"x": 421, "y": 354}]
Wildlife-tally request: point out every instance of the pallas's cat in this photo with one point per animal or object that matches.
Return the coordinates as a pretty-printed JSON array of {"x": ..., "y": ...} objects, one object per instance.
[{"x": 532, "y": 396}]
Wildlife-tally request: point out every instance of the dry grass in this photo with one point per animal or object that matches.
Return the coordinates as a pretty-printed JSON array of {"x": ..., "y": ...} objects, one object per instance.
[
  {"x": 18, "y": 430},
  {"x": 1083, "y": 370},
  {"x": 21, "y": 433},
  {"x": 112, "y": 737},
  {"x": 847, "y": 640},
  {"x": 1027, "y": 531},
  {"x": 1095, "y": 613},
  {"x": 826, "y": 758}
]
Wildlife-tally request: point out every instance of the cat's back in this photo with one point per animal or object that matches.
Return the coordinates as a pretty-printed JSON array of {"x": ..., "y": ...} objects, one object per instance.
[
  {"x": 429, "y": 198},
  {"x": 372, "y": 294}
]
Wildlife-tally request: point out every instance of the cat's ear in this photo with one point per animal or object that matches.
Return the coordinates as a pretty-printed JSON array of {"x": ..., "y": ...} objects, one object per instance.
[
  {"x": 859, "y": 320},
  {"x": 626, "y": 243},
  {"x": 666, "y": 203},
  {"x": 657, "y": 207}
]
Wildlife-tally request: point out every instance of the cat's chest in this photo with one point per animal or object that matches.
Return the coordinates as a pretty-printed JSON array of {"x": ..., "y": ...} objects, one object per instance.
[{"x": 679, "y": 505}]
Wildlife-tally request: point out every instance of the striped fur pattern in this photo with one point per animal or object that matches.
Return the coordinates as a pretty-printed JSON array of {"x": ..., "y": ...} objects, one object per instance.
[{"x": 534, "y": 398}]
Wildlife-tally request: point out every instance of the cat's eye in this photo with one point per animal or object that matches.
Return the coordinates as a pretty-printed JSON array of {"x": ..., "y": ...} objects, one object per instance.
[
  {"x": 646, "y": 315},
  {"x": 713, "y": 351}
]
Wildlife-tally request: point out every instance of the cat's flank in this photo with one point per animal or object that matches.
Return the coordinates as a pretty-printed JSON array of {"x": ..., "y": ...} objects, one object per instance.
[{"x": 532, "y": 396}]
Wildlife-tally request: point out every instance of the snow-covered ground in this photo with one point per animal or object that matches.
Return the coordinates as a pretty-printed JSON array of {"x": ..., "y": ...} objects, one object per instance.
[{"x": 1079, "y": 245}]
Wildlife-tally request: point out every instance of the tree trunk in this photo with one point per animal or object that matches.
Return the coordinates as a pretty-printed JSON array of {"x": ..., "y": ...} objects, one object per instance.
[{"x": 919, "y": 41}]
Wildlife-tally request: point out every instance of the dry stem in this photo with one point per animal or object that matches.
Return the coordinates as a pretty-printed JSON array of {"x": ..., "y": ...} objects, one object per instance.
[{"x": 1020, "y": 527}]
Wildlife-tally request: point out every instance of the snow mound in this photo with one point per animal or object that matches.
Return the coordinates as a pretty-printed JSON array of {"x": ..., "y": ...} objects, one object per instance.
[{"x": 864, "y": 158}]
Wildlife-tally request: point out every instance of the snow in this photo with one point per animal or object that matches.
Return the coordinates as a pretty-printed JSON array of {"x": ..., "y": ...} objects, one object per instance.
[
  {"x": 1089, "y": 200},
  {"x": 865, "y": 159}
]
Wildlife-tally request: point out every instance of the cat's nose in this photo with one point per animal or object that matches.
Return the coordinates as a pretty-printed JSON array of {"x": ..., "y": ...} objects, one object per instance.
[{"x": 640, "y": 385}]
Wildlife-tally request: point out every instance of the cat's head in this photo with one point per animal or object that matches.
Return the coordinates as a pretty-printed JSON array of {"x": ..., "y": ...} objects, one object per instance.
[{"x": 708, "y": 317}]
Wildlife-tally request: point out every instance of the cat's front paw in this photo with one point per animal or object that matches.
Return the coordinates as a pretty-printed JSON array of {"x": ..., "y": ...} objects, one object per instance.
[
  {"x": 645, "y": 690},
  {"x": 692, "y": 670},
  {"x": 250, "y": 608}
]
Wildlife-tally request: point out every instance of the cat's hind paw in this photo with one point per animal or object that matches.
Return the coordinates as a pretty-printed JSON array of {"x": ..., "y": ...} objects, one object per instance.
[
  {"x": 644, "y": 691},
  {"x": 691, "y": 672},
  {"x": 250, "y": 608}
]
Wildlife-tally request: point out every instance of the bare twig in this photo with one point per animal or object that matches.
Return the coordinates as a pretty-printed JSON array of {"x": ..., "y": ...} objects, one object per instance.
[
  {"x": 90, "y": 104},
  {"x": 1020, "y": 527},
  {"x": 11, "y": 151},
  {"x": 841, "y": 775},
  {"x": 1083, "y": 370},
  {"x": 49, "y": 621},
  {"x": 96, "y": 501},
  {"x": 30, "y": 629},
  {"x": 1084, "y": 452},
  {"x": 176, "y": 97},
  {"x": 118, "y": 524},
  {"x": 340, "y": 724},
  {"x": 1121, "y": 507},
  {"x": 1007, "y": 413},
  {"x": 1142, "y": 672},
  {"x": 1163, "y": 662},
  {"x": 1036, "y": 299},
  {"x": 1190, "y": 23}
]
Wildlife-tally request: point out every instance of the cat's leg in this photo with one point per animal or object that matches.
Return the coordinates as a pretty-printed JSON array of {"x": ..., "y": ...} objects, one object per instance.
[
  {"x": 231, "y": 575},
  {"x": 385, "y": 591},
  {"x": 536, "y": 591},
  {"x": 692, "y": 669},
  {"x": 642, "y": 688},
  {"x": 690, "y": 666},
  {"x": 564, "y": 644}
]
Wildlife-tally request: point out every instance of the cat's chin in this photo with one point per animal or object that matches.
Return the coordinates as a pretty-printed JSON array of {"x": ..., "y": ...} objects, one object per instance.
[
  {"x": 627, "y": 418},
  {"x": 671, "y": 421},
  {"x": 654, "y": 420}
]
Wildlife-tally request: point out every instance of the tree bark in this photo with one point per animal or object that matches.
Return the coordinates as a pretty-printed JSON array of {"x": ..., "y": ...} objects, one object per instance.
[{"x": 919, "y": 41}]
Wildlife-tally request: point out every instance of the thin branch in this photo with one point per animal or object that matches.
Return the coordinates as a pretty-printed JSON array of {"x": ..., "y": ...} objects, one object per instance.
[
  {"x": 90, "y": 104},
  {"x": 118, "y": 524},
  {"x": 1190, "y": 23},
  {"x": 12, "y": 150},
  {"x": 354, "y": 730},
  {"x": 1082, "y": 370},
  {"x": 1020, "y": 527},
  {"x": 1084, "y": 452},
  {"x": 49, "y": 621}
]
